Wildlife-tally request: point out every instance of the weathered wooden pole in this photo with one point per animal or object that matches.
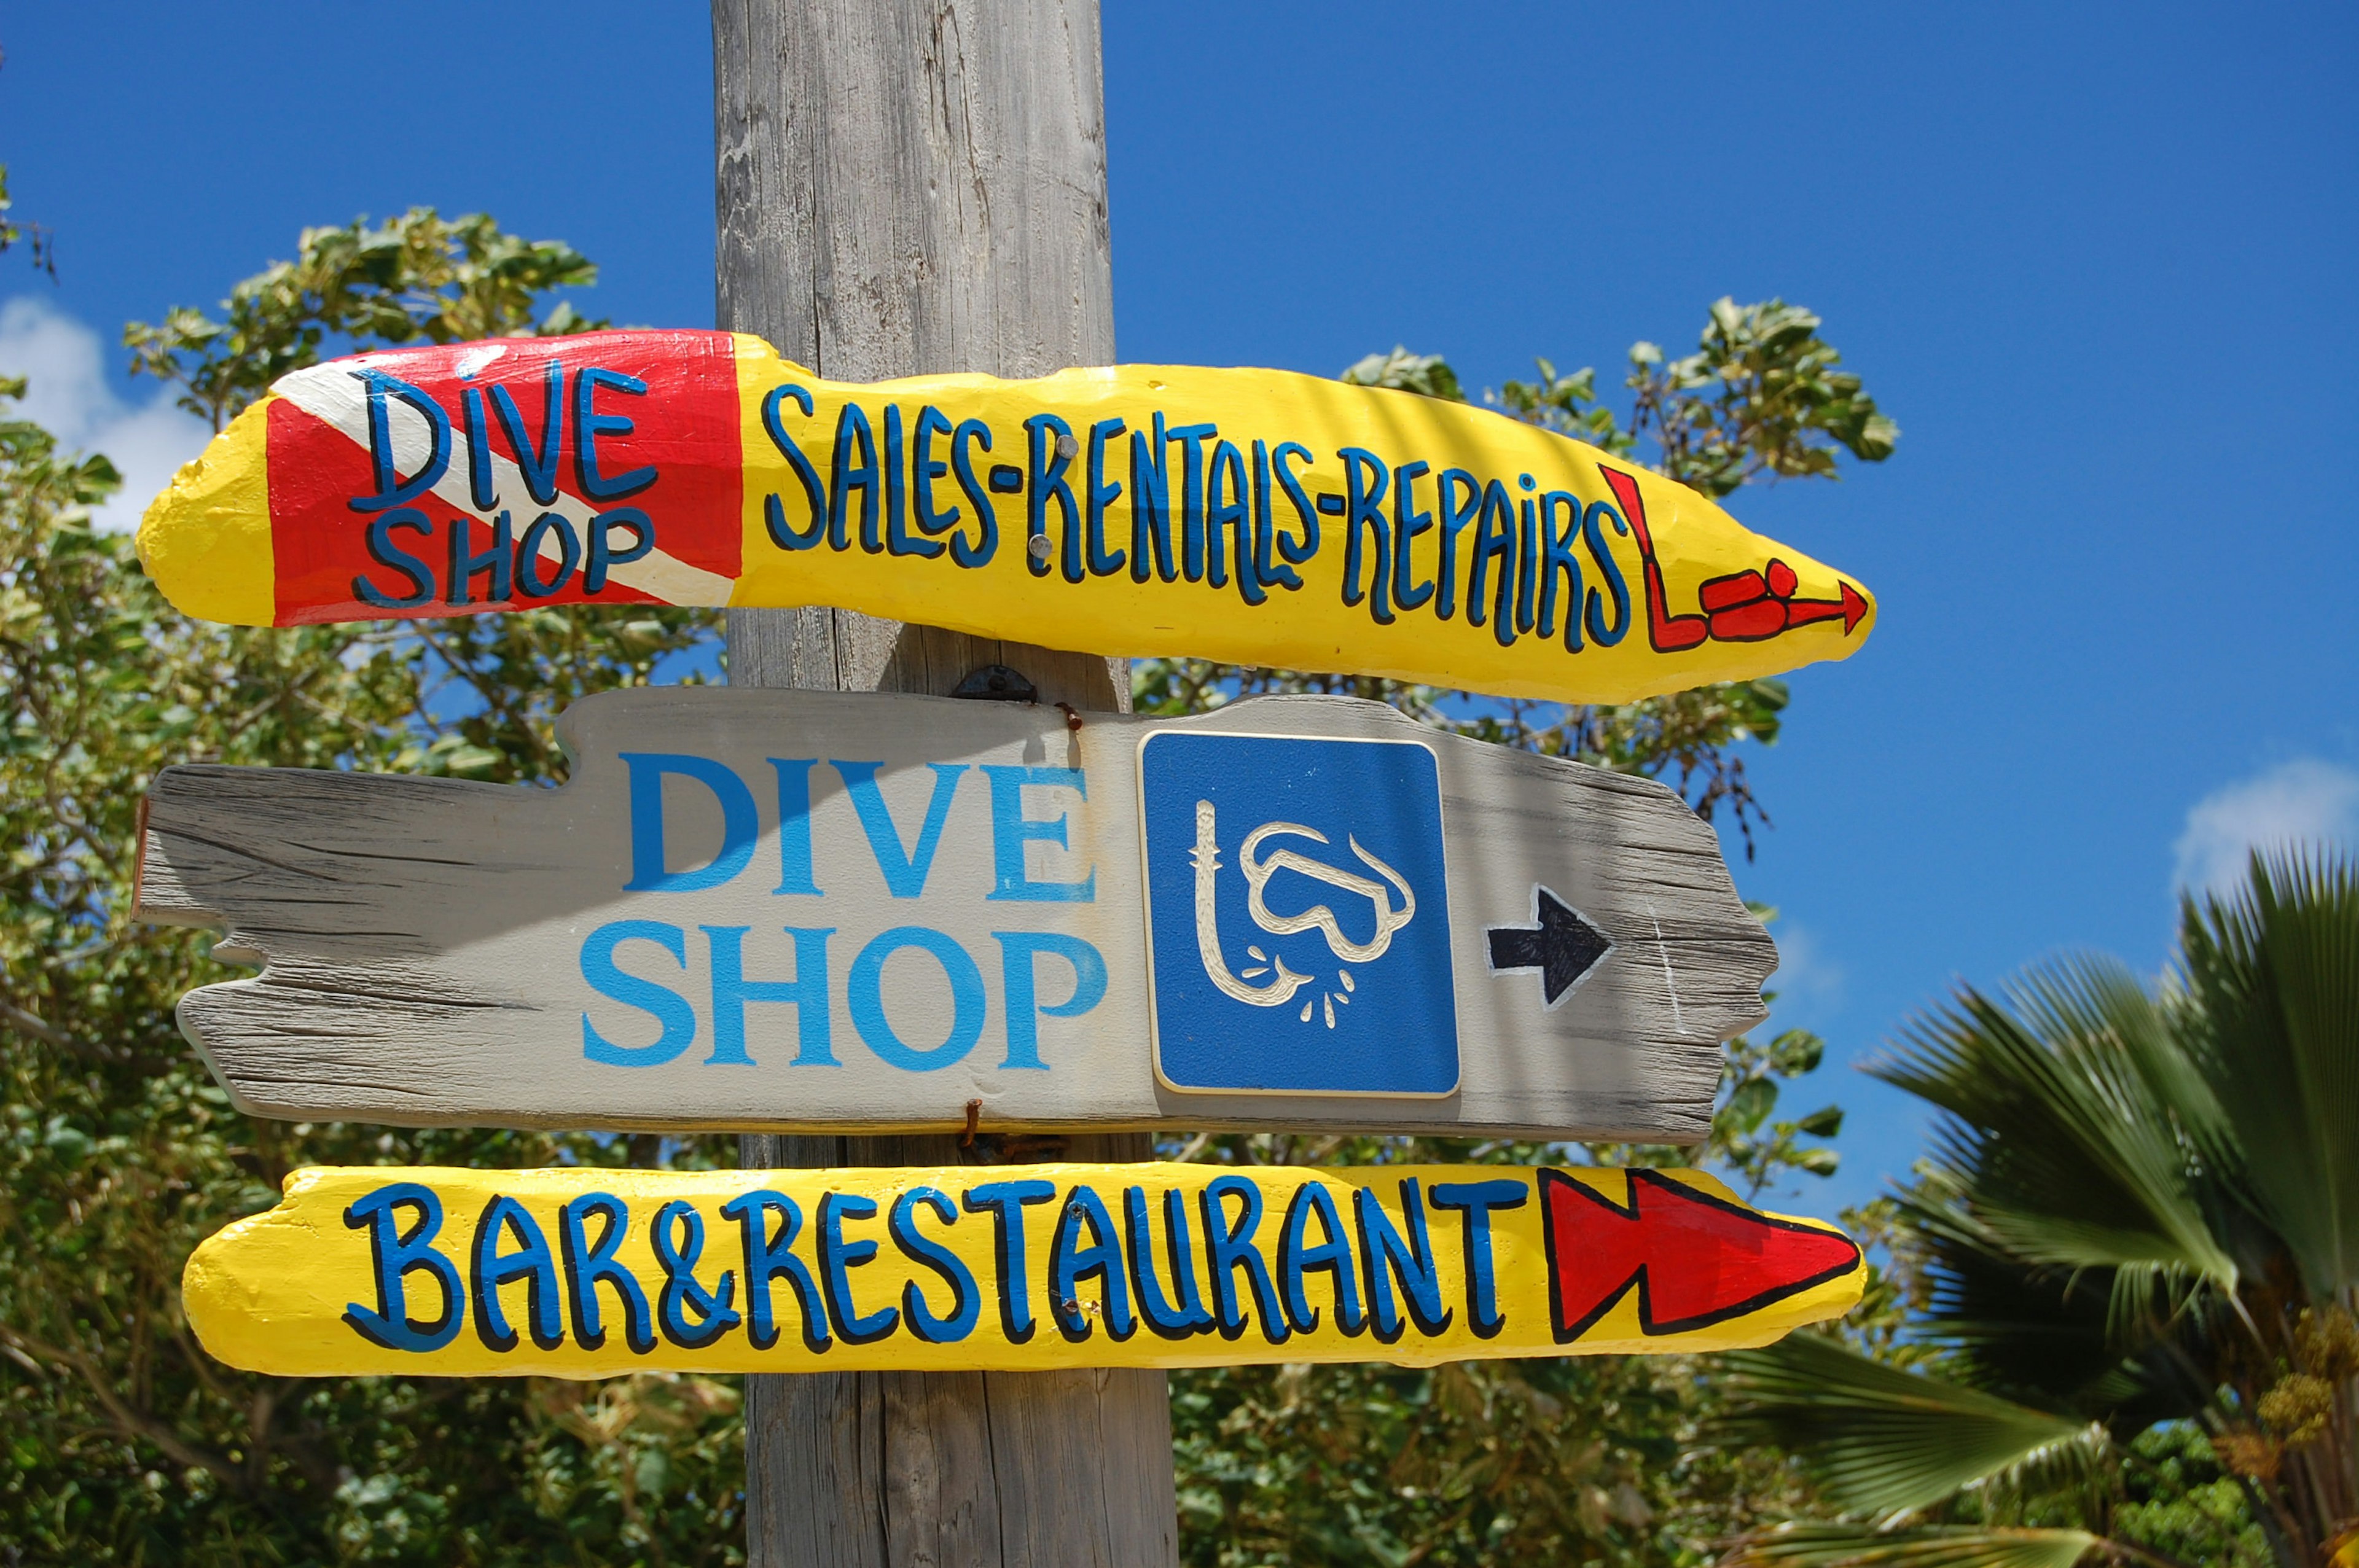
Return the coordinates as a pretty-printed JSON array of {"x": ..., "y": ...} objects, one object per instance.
[{"x": 907, "y": 186}]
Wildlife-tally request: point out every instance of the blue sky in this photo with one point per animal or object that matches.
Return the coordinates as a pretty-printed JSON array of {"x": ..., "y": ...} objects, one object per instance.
[{"x": 2096, "y": 263}]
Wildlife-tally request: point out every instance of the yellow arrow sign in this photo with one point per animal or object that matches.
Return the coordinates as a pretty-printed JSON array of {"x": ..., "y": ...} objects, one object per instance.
[
  {"x": 583, "y": 1273},
  {"x": 1248, "y": 516}
]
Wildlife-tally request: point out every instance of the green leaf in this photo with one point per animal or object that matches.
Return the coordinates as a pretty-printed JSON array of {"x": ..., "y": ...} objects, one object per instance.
[
  {"x": 1883, "y": 1440},
  {"x": 1428, "y": 374},
  {"x": 1796, "y": 1052},
  {"x": 1807, "y": 1545},
  {"x": 1825, "y": 1123},
  {"x": 2274, "y": 972},
  {"x": 2070, "y": 1100},
  {"x": 1750, "y": 1105}
]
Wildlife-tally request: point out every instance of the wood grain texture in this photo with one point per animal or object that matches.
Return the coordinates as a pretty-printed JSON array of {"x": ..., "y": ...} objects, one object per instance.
[
  {"x": 426, "y": 941},
  {"x": 1015, "y": 1468},
  {"x": 906, "y": 186}
]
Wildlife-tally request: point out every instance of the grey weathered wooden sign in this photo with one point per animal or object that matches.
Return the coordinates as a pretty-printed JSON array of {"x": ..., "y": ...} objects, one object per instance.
[{"x": 786, "y": 909}]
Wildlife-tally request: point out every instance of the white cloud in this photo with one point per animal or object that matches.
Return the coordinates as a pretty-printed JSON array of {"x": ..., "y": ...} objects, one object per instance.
[
  {"x": 1808, "y": 981},
  {"x": 71, "y": 396},
  {"x": 2304, "y": 801}
]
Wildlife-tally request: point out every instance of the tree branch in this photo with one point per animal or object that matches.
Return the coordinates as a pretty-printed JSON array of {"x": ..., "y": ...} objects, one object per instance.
[
  {"x": 40, "y": 1027},
  {"x": 131, "y": 1423}
]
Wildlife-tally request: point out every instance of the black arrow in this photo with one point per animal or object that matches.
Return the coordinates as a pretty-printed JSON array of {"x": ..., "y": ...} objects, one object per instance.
[{"x": 1563, "y": 946}]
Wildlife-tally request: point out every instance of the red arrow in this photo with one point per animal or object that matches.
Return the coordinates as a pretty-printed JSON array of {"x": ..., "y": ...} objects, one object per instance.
[
  {"x": 1694, "y": 1259},
  {"x": 1851, "y": 607}
]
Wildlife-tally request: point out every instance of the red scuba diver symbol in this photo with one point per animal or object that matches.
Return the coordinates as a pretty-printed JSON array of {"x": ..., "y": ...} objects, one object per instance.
[{"x": 1743, "y": 607}]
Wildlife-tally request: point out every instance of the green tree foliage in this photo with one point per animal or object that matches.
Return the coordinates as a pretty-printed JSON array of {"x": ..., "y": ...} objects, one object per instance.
[
  {"x": 125, "y": 1442},
  {"x": 2138, "y": 1230},
  {"x": 418, "y": 276},
  {"x": 1560, "y": 1461},
  {"x": 1760, "y": 400},
  {"x": 15, "y": 230}
]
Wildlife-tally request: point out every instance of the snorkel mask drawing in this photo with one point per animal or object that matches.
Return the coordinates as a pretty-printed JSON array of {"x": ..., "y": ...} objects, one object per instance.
[{"x": 1284, "y": 981}]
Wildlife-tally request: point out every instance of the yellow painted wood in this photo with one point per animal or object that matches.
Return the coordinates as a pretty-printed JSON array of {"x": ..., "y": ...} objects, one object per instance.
[
  {"x": 206, "y": 540},
  {"x": 295, "y": 1290},
  {"x": 1598, "y": 580}
]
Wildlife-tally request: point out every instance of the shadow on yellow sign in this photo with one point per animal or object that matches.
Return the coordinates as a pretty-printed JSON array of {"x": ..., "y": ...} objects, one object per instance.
[{"x": 584, "y": 1273}]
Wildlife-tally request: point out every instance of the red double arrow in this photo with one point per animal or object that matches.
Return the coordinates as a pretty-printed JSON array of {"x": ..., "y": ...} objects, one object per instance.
[{"x": 1693, "y": 1259}]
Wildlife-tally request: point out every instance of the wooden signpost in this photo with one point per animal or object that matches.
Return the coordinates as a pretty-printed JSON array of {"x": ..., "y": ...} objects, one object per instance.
[
  {"x": 812, "y": 915},
  {"x": 583, "y": 1273},
  {"x": 904, "y": 186},
  {"x": 821, "y": 911},
  {"x": 1253, "y": 516}
]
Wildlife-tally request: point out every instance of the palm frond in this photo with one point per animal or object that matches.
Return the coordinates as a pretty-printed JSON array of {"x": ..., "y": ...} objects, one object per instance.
[
  {"x": 1885, "y": 1440},
  {"x": 1803, "y": 1545},
  {"x": 2070, "y": 1136},
  {"x": 2006, "y": 1328},
  {"x": 2274, "y": 972}
]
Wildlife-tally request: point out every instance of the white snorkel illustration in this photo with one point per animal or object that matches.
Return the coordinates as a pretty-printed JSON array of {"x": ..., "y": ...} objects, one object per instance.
[{"x": 1283, "y": 982}]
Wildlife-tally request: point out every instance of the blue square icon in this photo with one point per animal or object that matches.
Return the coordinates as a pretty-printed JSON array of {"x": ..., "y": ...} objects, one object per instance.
[{"x": 1298, "y": 915}]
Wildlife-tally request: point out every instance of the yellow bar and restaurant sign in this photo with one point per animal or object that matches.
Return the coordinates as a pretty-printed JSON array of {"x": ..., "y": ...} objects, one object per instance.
[{"x": 586, "y": 1272}]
